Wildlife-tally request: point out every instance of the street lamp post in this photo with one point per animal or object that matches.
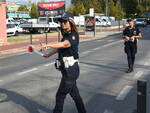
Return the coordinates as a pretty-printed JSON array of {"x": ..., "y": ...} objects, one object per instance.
[
  {"x": 106, "y": 7},
  {"x": 119, "y": 14}
]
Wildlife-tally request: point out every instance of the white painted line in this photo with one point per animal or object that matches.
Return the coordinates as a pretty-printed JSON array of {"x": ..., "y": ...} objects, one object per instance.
[
  {"x": 146, "y": 63},
  {"x": 107, "y": 111},
  {"x": 109, "y": 44},
  {"x": 27, "y": 71},
  {"x": 138, "y": 74},
  {"x": 49, "y": 64},
  {"x": 96, "y": 48},
  {"x": 1, "y": 80},
  {"x": 86, "y": 52},
  {"x": 124, "y": 93}
]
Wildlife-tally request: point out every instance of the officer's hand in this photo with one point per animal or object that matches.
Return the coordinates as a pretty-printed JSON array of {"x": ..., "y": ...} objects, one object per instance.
[
  {"x": 43, "y": 47},
  {"x": 132, "y": 38},
  {"x": 46, "y": 55},
  {"x": 127, "y": 38}
]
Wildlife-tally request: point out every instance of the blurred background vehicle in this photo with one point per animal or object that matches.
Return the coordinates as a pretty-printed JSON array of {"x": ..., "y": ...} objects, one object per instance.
[
  {"x": 140, "y": 22},
  {"x": 12, "y": 30}
]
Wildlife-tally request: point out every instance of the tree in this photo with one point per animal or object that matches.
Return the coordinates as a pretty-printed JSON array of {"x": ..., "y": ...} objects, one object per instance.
[
  {"x": 33, "y": 11},
  {"x": 79, "y": 8},
  {"x": 93, "y": 4},
  {"x": 140, "y": 11},
  {"x": 114, "y": 10},
  {"x": 71, "y": 9},
  {"x": 23, "y": 8}
]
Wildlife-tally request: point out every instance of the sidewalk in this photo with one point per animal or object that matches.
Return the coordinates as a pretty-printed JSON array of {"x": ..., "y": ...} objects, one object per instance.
[{"x": 22, "y": 47}]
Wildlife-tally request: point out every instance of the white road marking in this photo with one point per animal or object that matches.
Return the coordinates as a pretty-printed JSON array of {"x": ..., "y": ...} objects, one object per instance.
[
  {"x": 138, "y": 74},
  {"x": 96, "y": 48},
  {"x": 146, "y": 63},
  {"x": 49, "y": 64},
  {"x": 124, "y": 93},
  {"x": 27, "y": 71},
  {"x": 109, "y": 44},
  {"x": 107, "y": 111},
  {"x": 86, "y": 52},
  {"x": 16, "y": 54},
  {"x": 1, "y": 80}
]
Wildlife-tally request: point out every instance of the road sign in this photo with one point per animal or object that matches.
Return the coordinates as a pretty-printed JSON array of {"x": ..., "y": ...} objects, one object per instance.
[{"x": 91, "y": 10}]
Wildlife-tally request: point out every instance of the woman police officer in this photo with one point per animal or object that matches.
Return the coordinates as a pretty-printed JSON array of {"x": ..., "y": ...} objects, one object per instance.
[
  {"x": 131, "y": 34},
  {"x": 68, "y": 58}
]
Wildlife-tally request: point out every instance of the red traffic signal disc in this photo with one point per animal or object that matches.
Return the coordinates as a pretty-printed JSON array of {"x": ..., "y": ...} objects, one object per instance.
[{"x": 30, "y": 49}]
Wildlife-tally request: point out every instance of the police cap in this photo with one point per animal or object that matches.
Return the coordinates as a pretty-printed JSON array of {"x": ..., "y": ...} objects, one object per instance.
[
  {"x": 130, "y": 19},
  {"x": 66, "y": 16}
]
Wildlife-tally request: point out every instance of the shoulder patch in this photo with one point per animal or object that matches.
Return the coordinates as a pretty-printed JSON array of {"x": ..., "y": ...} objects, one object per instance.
[{"x": 73, "y": 37}]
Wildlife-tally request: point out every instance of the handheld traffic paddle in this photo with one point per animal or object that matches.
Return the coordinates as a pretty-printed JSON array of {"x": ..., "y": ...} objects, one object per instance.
[{"x": 31, "y": 49}]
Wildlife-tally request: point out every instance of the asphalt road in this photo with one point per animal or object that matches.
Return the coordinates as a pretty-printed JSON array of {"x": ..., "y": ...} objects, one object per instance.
[{"x": 28, "y": 83}]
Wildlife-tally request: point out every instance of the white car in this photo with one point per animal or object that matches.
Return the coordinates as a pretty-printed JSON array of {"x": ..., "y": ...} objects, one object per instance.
[
  {"x": 140, "y": 22},
  {"x": 12, "y": 30}
]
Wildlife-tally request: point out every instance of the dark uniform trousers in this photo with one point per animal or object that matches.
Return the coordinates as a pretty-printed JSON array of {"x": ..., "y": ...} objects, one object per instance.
[
  {"x": 130, "y": 50},
  {"x": 68, "y": 86}
]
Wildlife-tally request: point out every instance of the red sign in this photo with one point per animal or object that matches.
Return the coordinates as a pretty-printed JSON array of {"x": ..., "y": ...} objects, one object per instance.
[
  {"x": 51, "y": 5},
  {"x": 94, "y": 21},
  {"x": 30, "y": 49}
]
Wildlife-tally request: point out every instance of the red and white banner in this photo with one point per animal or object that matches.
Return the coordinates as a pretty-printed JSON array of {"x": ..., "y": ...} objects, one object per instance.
[
  {"x": 51, "y": 5},
  {"x": 51, "y": 9}
]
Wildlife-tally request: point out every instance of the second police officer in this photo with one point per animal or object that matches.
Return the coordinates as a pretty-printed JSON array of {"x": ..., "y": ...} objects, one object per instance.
[
  {"x": 67, "y": 63},
  {"x": 131, "y": 33}
]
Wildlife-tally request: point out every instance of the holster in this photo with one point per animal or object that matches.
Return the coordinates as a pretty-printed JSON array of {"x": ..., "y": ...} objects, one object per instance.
[{"x": 59, "y": 64}]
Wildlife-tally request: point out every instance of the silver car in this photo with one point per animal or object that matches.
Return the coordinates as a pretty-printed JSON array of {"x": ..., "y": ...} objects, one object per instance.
[{"x": 141, "y": 22}]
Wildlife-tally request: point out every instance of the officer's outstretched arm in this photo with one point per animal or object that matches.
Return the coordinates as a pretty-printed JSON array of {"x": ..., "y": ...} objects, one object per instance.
[
  {"x": 50, "y": 53},
  {"x": 64, "y": 44}
]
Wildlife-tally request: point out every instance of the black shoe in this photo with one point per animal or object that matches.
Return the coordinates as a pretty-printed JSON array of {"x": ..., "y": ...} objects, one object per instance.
[{"x": 129, "y": 70}]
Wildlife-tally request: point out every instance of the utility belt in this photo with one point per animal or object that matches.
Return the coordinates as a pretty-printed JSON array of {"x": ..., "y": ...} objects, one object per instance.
[{"x": 65, "y": 62}]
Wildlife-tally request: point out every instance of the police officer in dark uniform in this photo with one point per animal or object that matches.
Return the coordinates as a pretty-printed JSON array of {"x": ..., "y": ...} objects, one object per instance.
[
  {"x": 68, "y": 60},
  {"x": 131, "y": 34}
]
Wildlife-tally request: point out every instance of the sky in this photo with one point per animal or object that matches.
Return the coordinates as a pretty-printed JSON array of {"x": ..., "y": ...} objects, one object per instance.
[{"x": 68, "y": 2}]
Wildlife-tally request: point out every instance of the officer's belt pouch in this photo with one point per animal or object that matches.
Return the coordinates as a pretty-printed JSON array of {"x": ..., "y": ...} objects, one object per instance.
[{"x": 69, "y": 61}]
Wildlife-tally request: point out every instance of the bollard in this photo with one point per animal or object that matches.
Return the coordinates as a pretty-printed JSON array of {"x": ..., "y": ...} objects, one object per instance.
[
  {"x": 141, "y": 96},
  {"x": 46, "y": 40},
  {"x": 30, "y": 38}
]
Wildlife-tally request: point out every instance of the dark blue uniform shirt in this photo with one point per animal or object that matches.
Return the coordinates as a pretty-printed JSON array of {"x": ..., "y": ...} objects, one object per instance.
[
  {"x": 73, "y": 39},
  {"x": 131, "y": 32}
]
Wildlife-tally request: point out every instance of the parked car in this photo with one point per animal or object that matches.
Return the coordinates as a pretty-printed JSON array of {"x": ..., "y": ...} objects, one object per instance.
[
  {"x": 12, "y": 30},
  {"x": 140, "y": 22}
]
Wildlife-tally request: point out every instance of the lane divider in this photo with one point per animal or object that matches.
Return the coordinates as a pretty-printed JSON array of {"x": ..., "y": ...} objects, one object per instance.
[
  {"x": 49, "y": 64},
  {"x": 107, "y": 45},
  {"x": 124, "y": 92},
  {"x": 147, "y": 63},
  {"x": 138, "y": 75},
  {"x": 27, "y": 71}
]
